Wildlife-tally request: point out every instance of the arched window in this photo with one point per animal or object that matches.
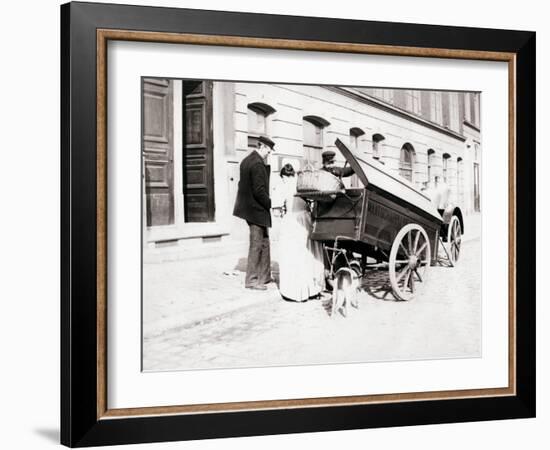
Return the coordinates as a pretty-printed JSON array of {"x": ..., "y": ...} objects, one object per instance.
[
  {"x": 354, "y": 138},
  {"x": 446, "y": 158},
  {"x": 406, "y": 162},
  {"x": 377, "y": 145},
  {"x": 313, "y": 139},
  {"x": 258, "y": 122},
  {"x": 431, "y": 159}
]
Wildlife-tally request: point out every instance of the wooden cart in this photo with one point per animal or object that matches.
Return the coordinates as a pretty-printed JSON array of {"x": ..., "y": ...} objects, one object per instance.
[{"x": 385, "y": 222}]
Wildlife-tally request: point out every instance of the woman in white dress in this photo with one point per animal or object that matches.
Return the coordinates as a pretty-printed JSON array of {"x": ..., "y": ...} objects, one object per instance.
[{"x": 301, "y": 269}]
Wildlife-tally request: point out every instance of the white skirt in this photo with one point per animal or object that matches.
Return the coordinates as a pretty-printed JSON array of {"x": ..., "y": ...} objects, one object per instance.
[{"x": 301, "y": 268}]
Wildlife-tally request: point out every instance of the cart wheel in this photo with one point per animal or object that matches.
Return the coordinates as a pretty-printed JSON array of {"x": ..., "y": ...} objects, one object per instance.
[
  {"x": 454, "y": 239},
  {"x": 410, "y": 257}
]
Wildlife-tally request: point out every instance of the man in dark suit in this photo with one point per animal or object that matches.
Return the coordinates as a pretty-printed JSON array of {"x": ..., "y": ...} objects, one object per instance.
[{"x": 253, "y": 205}]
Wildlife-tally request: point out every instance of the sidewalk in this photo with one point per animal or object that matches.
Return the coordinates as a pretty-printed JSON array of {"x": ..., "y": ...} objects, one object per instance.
[
  {"x": 182, "y": 294},
  {"x": 472, "y": 227}
]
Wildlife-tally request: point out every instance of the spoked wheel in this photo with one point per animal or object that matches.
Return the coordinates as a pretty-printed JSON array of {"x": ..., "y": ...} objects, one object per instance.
[
  {"x": 410, "y": 257},
  {"x": 454, "y": 239}
]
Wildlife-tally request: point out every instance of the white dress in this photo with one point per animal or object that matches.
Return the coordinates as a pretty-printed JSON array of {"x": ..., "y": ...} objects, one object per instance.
[{"x": 301, "y": 268}]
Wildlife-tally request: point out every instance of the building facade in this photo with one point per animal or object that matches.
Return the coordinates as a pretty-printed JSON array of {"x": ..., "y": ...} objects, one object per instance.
[{"x": 195, "y": 133}]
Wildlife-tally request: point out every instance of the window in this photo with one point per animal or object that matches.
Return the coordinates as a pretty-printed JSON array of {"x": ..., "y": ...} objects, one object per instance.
[
  {"x": 413, "y": 101},
  {"x": 381, "y": 94},
  {"x": 454, "y": 112},
  {"x": 377, "y": 145},
  {"x": 258, "y": 122},
  {"x": 425, "y": 104},
  {"x": 406, "y": 162},
  {"x": 446, "y": 109},
  {"x": 431, "y": 159},
  {"x": 387, "y": 95},
  {"x": 378, "y": 93},
  {"x": 461, "y": 112},
  {"x": 355, "y": 138},
  {"x": 446, "y": 158},
  {"x": 476, "y": 109},
  {"x": 467, "y": 108},
  {"x": 436, "y": 108},
  {"x": 313, "y": 139},
  {"x": 473, "y": 109}
]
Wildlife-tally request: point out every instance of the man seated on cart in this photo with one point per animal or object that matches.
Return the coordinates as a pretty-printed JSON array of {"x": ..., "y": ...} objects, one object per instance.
[
  {"x": 439, "y": 193},
  {"x": 329, "y": 165}
]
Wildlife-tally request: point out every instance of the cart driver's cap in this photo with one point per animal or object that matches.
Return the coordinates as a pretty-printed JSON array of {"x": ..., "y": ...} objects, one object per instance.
[
  {"x": 265, "y": 140},
  {"x": 328, "y": 156}
]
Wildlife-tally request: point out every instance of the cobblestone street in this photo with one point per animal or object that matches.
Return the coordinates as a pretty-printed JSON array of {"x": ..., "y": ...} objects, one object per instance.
[{"x": 198, "y": 315}]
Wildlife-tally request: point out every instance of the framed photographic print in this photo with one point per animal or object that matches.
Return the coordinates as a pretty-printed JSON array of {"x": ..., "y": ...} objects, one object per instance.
[{"x": 278, "y": 224}]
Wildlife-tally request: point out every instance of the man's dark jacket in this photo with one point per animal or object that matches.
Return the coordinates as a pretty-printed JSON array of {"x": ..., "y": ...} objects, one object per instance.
[
  {"x": 340, "y": 171},
  {"x": 253, "y": 203}
]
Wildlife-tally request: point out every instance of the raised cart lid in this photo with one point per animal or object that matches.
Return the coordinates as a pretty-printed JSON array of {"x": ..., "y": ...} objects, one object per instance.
[{"x": 373, "y": 173}]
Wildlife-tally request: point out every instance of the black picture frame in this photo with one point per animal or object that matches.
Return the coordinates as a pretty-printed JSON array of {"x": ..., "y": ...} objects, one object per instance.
[{"x": 82, "y": 424}]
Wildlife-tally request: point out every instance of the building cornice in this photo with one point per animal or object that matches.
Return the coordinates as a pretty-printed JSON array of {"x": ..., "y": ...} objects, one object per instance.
[{"x": 381, "y": 104}]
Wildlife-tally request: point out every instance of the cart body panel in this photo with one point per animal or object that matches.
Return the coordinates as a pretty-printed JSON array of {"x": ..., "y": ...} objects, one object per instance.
[
  {"x": 339, "y": 216},
  {"x": 370, "y": 217},
  {"x": 375, "y": 214},
  {"x": 385, "y": 217}
]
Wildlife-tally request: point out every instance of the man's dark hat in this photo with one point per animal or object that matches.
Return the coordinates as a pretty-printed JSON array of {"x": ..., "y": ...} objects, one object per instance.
[
  {"x": 265, "y": 140},
  {"x": 328, "y": 156}
]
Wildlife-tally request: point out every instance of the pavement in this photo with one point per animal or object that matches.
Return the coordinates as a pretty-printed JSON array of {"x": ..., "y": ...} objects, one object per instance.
[
  {"x": 472, "y": 226},
  {"x": 195, "y": 311}
]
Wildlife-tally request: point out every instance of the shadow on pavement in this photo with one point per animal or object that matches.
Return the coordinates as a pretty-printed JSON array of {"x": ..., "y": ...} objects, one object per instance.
[
  {"x": 376, "y": 283},
  {"x": 243, "y": 262}
]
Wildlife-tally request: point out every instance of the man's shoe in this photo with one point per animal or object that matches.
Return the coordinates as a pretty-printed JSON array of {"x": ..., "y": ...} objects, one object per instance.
[{"x": 257, "y": 288}]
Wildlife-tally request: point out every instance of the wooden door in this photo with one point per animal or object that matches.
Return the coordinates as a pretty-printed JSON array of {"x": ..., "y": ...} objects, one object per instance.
[
  {"x": 158, "y": 151},
  {"x": 198, "y": 167}
]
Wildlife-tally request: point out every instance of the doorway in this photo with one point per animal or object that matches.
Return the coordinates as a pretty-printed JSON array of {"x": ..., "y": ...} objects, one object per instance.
[{"x": 198, "y": 164}]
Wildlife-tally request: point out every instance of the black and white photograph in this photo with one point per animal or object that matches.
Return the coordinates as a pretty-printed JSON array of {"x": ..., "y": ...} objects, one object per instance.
[
  {"x": 295, "y": 224},
  {"x": 262, "y": 225}
]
